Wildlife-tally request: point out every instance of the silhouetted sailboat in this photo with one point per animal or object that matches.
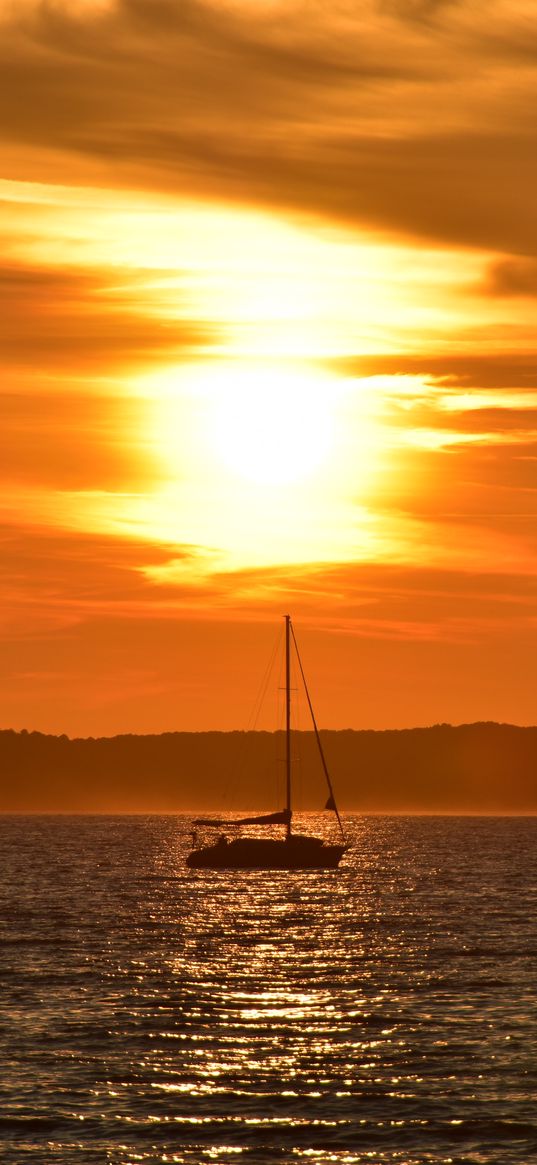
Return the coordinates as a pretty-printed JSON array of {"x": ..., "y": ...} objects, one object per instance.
[{"x": 295, "y": 851}]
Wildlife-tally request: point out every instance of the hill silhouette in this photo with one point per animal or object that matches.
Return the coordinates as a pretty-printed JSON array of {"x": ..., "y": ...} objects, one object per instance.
[{"x": 476, "y": 768}]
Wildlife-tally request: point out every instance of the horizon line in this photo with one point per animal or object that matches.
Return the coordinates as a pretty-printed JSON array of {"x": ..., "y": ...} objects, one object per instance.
[{"x": 265, "y": 731}]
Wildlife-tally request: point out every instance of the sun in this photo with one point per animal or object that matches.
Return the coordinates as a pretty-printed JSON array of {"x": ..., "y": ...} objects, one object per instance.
[
  {"x": 270, "y": 425},
  {"x": 256, "y": 465}
]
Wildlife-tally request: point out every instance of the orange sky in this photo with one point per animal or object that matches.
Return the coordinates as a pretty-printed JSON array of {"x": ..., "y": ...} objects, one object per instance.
[{"x": 268, "y": 317}]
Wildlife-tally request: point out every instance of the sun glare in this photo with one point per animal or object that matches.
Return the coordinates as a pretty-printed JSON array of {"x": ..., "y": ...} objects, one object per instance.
[
  {"x": 260, "y": 463},
  {"x": 270, "y": 426}
]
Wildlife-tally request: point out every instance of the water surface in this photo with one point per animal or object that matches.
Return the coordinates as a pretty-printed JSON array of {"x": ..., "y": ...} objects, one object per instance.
[{"x": 385, "y": 1012}]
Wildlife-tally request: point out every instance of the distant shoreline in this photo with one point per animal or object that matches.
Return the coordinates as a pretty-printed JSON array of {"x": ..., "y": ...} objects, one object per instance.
[
  {"x": 478, "y": 769},
  {"x": 265, "y": 731}
]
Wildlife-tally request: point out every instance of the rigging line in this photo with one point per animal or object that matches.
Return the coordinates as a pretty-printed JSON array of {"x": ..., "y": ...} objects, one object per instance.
[
  {"x": 260, "y": 700},
  {"x": 234, "y": 779},
  {"x": 256, "y": 711},
  {"x": 317, "y": 737}
]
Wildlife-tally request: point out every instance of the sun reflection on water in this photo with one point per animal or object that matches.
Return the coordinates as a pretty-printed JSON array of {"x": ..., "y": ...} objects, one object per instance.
[{"x": 175, "y": 1016}]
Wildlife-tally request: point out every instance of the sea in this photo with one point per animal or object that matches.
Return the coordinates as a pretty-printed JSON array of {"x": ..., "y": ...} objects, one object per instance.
[{"x": 385, "y": 1012}]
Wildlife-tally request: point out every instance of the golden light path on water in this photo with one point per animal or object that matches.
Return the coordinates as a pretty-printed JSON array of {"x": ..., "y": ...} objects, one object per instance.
[{"x": 384, "y": 1012}]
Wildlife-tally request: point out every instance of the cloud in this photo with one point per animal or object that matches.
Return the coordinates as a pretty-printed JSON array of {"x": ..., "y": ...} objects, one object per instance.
[
  {"x": 60, "y": 318},
  {"x": 414, "y": 119},
  {"x": 497, "y": 370},
  {"x": 91, "y": 644},
  {"x": 54, "y": 578},
  {"x": 62, "y": 577},
  {"x": 513, "y": 277},
  {"x": 75, "y": 441}
]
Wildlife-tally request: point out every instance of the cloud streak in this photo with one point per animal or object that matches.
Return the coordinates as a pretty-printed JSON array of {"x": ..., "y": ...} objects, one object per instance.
[
  {"x": 94, "y": 646},
  {"x": 379, "y": 114},
  {"x": 59, "y": 318}
]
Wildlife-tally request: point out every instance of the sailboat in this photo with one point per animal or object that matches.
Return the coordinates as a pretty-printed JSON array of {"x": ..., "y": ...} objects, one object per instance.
[{"x": 293, "y": 851}]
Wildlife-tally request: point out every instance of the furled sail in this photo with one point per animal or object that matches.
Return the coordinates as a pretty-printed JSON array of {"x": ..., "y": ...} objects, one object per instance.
[{"x": 281, "y": 818}]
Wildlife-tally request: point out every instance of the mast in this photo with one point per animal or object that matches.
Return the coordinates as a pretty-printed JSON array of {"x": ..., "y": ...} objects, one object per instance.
[{"x": 288, "y": 719}]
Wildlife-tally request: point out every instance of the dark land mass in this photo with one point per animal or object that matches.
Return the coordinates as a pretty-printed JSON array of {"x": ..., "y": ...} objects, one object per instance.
[{"x": 471, "y": 768}]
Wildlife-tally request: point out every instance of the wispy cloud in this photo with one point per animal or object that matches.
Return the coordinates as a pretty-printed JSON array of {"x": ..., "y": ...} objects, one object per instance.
[
  {"x": 71, "y": 319},
  {"x": 380, "y": 114},
  {"x": 93, "y": 645},
  {"x": 513, "y": 277}
]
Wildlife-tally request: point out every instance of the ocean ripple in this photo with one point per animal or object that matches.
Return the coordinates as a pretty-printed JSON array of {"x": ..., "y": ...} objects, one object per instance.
[{"x": 381, "y": 1013}]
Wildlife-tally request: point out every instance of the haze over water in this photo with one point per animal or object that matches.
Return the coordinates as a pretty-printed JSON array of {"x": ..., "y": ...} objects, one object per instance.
[{"x": 381, "y": 1013}]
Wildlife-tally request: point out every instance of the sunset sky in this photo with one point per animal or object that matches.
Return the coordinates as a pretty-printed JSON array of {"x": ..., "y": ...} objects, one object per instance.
[{"x": 268, "y": 331}]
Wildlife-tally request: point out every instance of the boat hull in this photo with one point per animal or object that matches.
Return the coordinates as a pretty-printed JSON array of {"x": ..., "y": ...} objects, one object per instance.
[{"x": 294, "y": 853}]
